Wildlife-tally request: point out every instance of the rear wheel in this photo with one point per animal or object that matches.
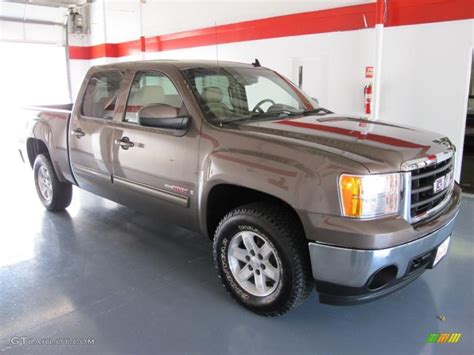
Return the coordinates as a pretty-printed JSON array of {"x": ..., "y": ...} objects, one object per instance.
[
  {"x": 53, "y": 194},
  {"x": 262, "y": 258}
]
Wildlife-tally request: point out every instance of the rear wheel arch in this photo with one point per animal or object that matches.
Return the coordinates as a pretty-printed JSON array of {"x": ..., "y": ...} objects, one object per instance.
[{"x": 35, "y": 147}]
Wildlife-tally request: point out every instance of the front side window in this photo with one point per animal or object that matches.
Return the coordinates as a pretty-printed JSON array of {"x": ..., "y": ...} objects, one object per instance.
[
  {"x": 227, "y": 94},
  {"x": 101, "y": 94},
  {"x": 149, "y": 88}
]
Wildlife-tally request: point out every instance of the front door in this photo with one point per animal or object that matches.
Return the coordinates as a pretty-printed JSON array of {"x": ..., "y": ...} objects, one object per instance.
[
  {"x": 155, "y": 170},
  {"x": 91, "y": 133}
]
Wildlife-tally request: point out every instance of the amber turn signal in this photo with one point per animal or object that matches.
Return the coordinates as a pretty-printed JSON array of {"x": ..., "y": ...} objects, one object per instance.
[{"x": 350, "y": 195}]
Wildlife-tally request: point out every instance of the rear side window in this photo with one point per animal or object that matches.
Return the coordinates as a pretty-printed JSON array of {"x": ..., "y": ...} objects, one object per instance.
[
  {"x": 101, "y": 95},
  {"x": 151, "y": 88}
]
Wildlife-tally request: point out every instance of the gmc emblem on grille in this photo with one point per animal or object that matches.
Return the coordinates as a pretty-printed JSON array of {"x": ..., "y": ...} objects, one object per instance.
[{"x": 442, "y": 182}]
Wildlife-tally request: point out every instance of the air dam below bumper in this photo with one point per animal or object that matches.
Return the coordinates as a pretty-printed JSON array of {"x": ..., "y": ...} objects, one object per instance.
[{"x": 348, "y": 276}]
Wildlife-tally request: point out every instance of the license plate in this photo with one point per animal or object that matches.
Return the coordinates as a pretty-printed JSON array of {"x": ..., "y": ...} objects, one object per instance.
[
  {"x": 441, "y": 252},
  {"x": 442, "y": 182}
]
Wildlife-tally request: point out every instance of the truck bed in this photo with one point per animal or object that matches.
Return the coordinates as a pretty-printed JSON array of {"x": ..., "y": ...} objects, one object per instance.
[
  {"x": 55, "y": 119},
  {"x": 53, "y": 108}
]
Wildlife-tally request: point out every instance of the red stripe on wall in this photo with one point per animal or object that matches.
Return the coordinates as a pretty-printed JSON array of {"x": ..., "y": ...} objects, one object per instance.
[
  {"x": 400, "y": 12},
  {"x": 412, "y": 12},
  {"x": 338, "y": 19}
]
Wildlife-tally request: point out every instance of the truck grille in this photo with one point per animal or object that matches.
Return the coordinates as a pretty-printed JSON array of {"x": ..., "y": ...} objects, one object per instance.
[{"x": 423, "y": 197}]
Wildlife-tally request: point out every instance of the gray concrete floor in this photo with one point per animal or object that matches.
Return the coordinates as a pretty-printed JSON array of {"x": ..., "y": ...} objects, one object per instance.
[{"x": 139, "y": 286}]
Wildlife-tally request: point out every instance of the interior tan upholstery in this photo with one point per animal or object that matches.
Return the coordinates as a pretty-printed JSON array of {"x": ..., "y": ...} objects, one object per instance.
[
  {"x": 213, "y": 97},
  {"x": 212, "y": 94},
  {"x": 150, "y": 95}
]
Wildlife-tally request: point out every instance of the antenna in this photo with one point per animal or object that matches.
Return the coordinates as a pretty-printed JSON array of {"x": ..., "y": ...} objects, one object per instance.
[
  {"x": 256, "y": 63},
  {"x": 217, "y": 48},
  {"x": 217, "y": 61}
]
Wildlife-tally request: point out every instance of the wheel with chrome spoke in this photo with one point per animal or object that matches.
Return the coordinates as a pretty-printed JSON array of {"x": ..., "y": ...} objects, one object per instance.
[
  {"x": 262, "y": 258},
  {"x": 254, "y": 263},
  {"x": 53, "y": 194},
  {"x": 45, "y": 184}
]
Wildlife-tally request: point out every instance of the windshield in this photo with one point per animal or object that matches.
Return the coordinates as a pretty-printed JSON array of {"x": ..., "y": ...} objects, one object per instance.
[{"x": 231, "y": 94}]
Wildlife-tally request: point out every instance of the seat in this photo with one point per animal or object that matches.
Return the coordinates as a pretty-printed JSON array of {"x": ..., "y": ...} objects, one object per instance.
[
  {"x": 150, "y": 95},
  {"x": 147, "y": 95},
  {"x": 213, "y": 97}
]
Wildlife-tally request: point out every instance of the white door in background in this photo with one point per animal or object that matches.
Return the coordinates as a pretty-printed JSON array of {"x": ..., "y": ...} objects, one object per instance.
[{"x": 315, "y": 77}]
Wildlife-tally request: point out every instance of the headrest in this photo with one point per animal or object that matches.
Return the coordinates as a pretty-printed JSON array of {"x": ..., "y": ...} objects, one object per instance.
[
  {"x": 212, "y": 94},
  {"x": 151, "y": 95}
]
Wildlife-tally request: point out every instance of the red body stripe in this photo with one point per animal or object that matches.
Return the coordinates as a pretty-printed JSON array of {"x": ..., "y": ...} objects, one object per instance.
[
  {"x": 400, "y": 12},
  {"x": 351, "y": 133}
]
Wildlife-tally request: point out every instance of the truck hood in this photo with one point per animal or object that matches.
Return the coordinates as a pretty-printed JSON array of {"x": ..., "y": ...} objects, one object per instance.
[{"x": 379, "y": 146}]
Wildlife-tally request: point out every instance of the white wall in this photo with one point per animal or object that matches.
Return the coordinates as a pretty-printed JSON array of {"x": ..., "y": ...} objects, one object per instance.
[
  {"x": 426, "y": 74},
  {"x": 425, "y": 67},
  {"x": 164, "y": 16},
  {"x": 119, "y": 21},
  {"x": 344, "y": 74}
]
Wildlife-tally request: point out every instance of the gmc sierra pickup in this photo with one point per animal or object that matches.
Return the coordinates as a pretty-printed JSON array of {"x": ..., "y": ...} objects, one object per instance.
[{"x": 292, "y": 195}]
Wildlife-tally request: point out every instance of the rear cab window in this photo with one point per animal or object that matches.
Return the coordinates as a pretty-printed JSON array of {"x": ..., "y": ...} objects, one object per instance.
[{"x": 101, "y": 95}]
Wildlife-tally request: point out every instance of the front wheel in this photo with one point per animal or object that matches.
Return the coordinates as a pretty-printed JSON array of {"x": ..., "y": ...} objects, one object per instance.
[
  {"x": 262, "y": 258},
  {"x": 53, "y": 194}
]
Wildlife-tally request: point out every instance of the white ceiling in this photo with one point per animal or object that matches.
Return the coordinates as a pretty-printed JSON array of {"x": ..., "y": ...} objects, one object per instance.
[
  {"x": 51, "y": 3},
  {"x": 28, "y": 22},
  {"x": 22, "y": 12}
]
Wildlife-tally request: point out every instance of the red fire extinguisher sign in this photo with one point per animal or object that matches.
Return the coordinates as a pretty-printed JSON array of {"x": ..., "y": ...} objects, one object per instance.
[
  {"x": 369, "y": 74},
  {"x": 368, "y": 98}
]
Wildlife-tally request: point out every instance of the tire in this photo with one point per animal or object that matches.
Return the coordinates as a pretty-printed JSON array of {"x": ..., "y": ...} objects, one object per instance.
[
  {"x": 271, "y": 228},
  {"x": 53, "y": 194}
]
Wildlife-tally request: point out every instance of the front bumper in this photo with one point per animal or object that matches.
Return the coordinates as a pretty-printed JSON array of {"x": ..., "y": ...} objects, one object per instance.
[{"x": 349, "y": 275}]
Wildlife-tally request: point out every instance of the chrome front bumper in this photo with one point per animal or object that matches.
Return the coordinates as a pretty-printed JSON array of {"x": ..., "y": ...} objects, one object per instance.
[{"x": 354, "y": 267}]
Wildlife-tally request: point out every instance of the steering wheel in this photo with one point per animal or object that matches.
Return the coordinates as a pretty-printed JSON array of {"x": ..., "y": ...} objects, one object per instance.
[{"x": 257, "y": 107}]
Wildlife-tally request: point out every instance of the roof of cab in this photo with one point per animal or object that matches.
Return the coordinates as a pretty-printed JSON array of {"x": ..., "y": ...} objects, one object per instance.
[{"x": 180, "y": 64}]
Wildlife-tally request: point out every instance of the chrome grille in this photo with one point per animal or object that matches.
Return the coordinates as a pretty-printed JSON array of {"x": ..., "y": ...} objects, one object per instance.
[
  {"x": 423, "y": 197},
  {"x": 421, "y": 200}
]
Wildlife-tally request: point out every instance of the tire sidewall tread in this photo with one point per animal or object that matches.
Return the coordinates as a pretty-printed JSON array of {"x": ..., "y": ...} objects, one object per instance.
[
  {"x": 62, "y": 191},
  {"x": 276, "y": 225}
]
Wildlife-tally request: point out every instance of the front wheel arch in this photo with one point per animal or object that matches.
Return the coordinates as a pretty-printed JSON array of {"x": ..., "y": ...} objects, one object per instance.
[{"x": 223, "y": 198}]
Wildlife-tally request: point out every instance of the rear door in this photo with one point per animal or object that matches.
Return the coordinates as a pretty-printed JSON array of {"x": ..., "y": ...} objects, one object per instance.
[
  {"x": 157, "y": 173},
  {"x": 91, "y": 132}
]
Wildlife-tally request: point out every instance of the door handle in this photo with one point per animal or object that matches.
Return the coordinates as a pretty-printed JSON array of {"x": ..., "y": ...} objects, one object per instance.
[
  {"x": 124, "y": 143},
  {"x": 78, "y": 133}
]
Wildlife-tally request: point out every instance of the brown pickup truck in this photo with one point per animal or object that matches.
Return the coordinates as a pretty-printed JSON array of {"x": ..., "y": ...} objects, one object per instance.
[{"x": 292, "y": 195}]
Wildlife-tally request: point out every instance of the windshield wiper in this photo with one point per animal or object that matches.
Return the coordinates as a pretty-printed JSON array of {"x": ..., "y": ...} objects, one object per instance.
[
  {"x": 278, "y": 114},
  {"x": 274, "y": 114},
  {"x": 319, "y": 110}
]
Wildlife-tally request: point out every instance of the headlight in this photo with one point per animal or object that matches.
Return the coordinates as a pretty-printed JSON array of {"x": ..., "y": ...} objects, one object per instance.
[{"x": 366, "y": 196}]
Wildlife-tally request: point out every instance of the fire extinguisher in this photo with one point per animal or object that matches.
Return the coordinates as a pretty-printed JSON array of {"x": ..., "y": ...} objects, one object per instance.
[{"x": 368, "y": 98}]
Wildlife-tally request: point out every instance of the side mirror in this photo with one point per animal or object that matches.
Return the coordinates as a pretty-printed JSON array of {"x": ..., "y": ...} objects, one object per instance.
[
  {"x": 315, "y": 100},
  {"x": 162, "y": 116}
]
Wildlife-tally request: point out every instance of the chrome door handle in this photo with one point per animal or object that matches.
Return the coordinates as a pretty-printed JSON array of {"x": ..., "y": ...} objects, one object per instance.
[
  {"x": 124, "y": 143},
  {"x": 78, "y": 132}
]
